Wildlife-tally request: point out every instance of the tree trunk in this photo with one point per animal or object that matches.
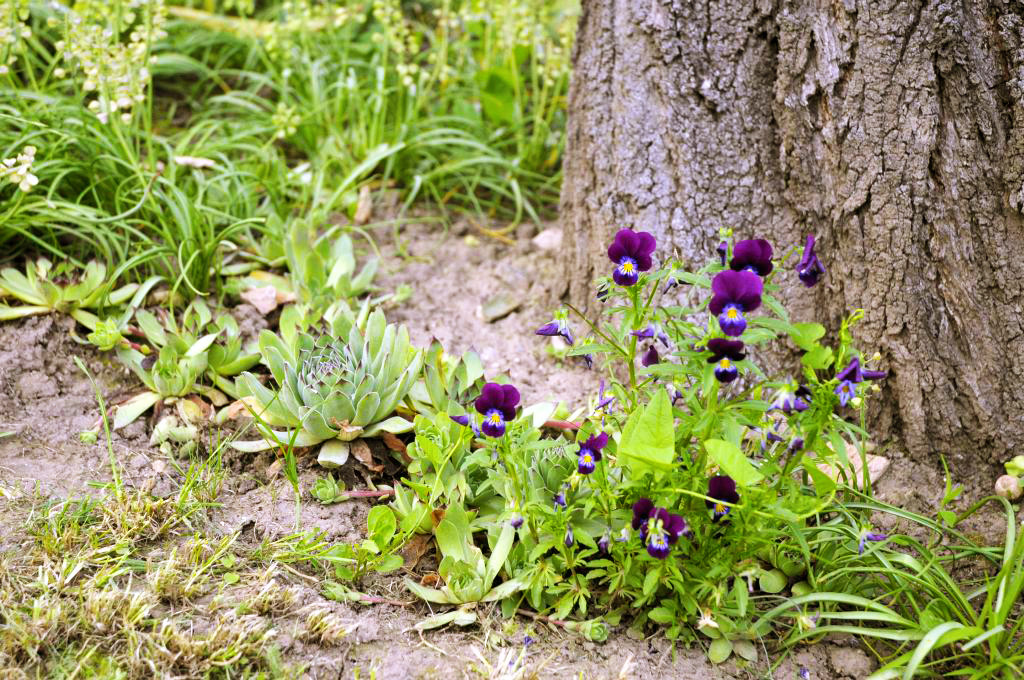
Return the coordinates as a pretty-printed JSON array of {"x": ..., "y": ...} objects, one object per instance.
[{"x": 892, "y": 130}]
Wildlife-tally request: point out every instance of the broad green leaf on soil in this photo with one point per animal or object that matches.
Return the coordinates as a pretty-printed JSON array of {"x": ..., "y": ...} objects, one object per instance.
[
  {"x": 648, "y": 440},
  {"x": 133, "y": 408},
  {"x": 720, "y": 650},
  {"x": 732, "y": 462}
]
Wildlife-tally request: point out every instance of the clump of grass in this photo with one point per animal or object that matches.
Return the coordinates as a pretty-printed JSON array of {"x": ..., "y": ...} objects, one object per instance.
[{"x": 325, "y": 627}]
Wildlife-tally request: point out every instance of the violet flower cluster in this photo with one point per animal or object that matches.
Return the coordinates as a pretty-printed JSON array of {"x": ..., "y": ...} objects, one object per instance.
[
  {"x": 590, "y": 453},
  {"x": 659, "y": 529}
]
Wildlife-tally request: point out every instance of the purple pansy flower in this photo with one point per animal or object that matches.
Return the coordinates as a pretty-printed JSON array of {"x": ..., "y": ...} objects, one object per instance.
[
  {"x": 590, "y": 453},
  {"x": 659, "y": 529},
  {"x": 497, "y": 404},
  {"x": 752, "y": 255},
  {"x": 723, "y": 354},
  {"x": 461, "y": 420},
  {"x": 560, "y": 500},
  {"x": 652, "y": 331},
  {"x": 722, "y": 249},
  {"x": 734, "y": 294},
  {"x": 604, "y": 543},
  {"x": 850, "y": 376},
  {"x": 722, "y": 489},
  {"x": 570, "y": 538},
  {"x": 559, "y": 327},
  {"x": 866, "y": 536},
  {"x": 631, "y": 253},
  {"x": 790, "y": 402},
  {"x": 809, "y": 269},
  {"x": 650, "y": 357}
]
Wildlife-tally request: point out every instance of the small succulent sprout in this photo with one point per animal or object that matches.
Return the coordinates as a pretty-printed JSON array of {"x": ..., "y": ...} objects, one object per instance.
[
  {"x": 735, "y": 294},
  {"x": 497, "y": 404},
  {"x": 722, "y": 490},
  {"x": 1009, "y": 487},
  {"x": 724, "y": 354},
  {"x": 590, "y": 453},
  {"x": 809, "y": 269},
  {"x": 328, "y": 490},
  {"x": 659, "y": 529},
  {"x": 752, "y": 255},
  {"x": 631, "y": 252}
]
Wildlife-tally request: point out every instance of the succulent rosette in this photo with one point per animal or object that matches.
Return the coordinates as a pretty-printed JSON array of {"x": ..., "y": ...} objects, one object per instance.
[
  {"x": 631, "y": 253},
  {"x": 334, "y": 387},
  {"x": 497, "y": 404},
  {"x": 735, "y": 294}
]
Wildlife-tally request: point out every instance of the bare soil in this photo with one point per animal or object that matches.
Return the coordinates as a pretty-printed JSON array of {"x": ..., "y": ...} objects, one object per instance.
[{"x": 46, "y": 400}]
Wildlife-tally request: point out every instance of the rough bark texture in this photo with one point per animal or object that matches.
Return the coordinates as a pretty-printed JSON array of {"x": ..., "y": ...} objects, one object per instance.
[{"x": 893, "y": 130}]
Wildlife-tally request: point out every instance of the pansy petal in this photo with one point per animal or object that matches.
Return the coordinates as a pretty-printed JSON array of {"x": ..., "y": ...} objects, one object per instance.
[{"x": 641, "y": 510}]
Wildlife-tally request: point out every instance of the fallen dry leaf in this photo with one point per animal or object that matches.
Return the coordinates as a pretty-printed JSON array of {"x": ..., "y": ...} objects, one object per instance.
[
  {"x": 275, "y": 468},
  {"x": 264, "y": 298},
  {"x": 393, "y": 443},
  {"x": 361, "y": 450},
  {"x": 430, "y": 580},
  {"x": 364, "y": 207},
  {"x": 415, "y": 549},
  {"x": 239, "y": 408}
]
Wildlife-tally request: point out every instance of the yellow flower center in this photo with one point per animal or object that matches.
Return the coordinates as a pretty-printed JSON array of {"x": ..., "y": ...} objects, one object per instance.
[
  {"x": 495, "y": 418},
  {"x": 724, "y": 363},
  {"x": 587, "y": 458},
  {"x": 732, "y": 313},
  {"x": 720, "y": 509},
  {"x": 626, "y": 267}
]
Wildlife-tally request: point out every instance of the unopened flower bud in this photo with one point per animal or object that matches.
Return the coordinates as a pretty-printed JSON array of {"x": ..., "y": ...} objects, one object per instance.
[{"x": 1008, "y": 486}]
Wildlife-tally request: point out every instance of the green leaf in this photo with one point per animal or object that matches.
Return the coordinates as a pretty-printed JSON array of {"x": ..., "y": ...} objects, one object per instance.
[
  {"x": 661, "y": 615},
  {"x": 823, "y": 484},
  {"x": 500, "y": 553},
  {"x": 732, "y": 462},
  {"x": 818, "y": 358},
  {"x": 720, "y": 650},
  {"x": 389, "y": 563},
  {"x": 648, "y": 439},
  {"x": 381, "y": 525},
  {"x": 742, "y": 595},
  {"x": 451, "y": 542},
  {"x": 460, "y": 617},
  {"x": 427, "y": 594},
  {"x": 133, "y": 408},
  {"x": 746, "y": 649},
  {"x": 773, "y": 581},
  {"x": 333, "y": 454},
  {"x": 806, "y": 335}
]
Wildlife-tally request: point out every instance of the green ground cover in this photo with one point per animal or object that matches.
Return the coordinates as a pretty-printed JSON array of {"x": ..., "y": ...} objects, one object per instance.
[{"x": 161, "y": 160}]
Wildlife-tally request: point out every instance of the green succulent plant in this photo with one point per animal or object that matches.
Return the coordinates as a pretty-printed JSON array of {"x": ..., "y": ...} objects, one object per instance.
[
  {"x": 334, "y": 387},
  {"x": 45, "y": 288}
]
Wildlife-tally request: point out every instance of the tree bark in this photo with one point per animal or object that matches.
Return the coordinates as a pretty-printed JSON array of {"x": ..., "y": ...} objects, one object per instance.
[{"x": 892, "y": 130}]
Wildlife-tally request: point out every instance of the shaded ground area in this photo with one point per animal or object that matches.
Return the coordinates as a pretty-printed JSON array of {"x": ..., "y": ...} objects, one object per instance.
[{"x": 212, "y": 555}]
